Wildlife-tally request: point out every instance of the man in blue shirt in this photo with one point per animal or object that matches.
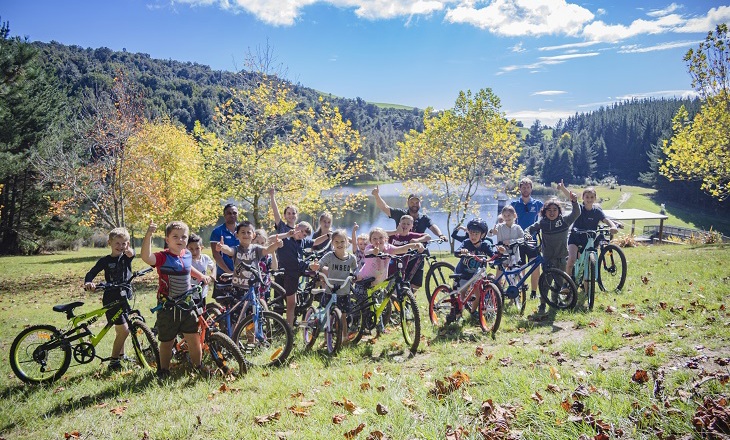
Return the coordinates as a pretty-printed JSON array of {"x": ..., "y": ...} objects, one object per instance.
[
  {"x": 224, "y": 263},
  {"x": 528, "y": 211}
]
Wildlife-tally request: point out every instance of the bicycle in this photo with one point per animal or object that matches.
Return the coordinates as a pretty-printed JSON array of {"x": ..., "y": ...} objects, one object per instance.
[
  {"x": 585, "y": 269},
  {"x": 327, "y": 318},
  {"x": 611, "y": 266},
  {"x": 219, "y": 351},
  {"x": 370, "y": 305},
  {"x": 438, "y": 271},
  {"x": 514, "y": 294},
  {"x": 304, "y": 296},
  {"x": 264, "y": 337},
  {"x": 450, "y": 301},
  {"x": 42, "y": 353}
]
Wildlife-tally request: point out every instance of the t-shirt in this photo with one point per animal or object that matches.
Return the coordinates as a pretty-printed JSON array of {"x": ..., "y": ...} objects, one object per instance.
[
  {"x": 377, "y": 267},
  {"x": 420, "y": 224},
  {"x": 205, "y": 265},
  {"x": 338, "y": 269},
  {"x": 249, "y": 255},
  {"x": 174, "y": 273},
  {"x": 324, "y": 245},
  {"x": 400, "y": 240},
  {"x": 467, "y": 266},
  {"x": 360, "y": 257},
  {"x": 589, "y": 220},
  {"x": 116, "y": 269},
  {"x": 229, "y": 239},
  {"x": 290, "y": 255},
  {"x": 508, "y": 235},
  {"x": 527, "y": 213},
  {"x": 282, "y": 227}
]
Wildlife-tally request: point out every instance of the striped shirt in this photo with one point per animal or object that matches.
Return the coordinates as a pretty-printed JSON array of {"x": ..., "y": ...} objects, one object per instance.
[{"x": 174, "y": 273}]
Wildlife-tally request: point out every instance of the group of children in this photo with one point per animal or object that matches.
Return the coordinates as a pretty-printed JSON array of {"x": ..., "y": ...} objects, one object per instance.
[{"x": 182, "y": 261}]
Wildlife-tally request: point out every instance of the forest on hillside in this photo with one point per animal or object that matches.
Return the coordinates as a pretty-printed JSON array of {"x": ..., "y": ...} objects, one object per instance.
[{"x": 46, "y": 88}]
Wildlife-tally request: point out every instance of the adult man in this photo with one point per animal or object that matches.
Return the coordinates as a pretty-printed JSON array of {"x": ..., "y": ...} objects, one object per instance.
[
  {"x": 528, "y": 210},
  {"x": 224, "y": 263},
  {"x": 420, "y": 224}
]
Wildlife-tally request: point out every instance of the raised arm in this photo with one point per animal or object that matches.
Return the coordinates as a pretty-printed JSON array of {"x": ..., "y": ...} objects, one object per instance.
[
  {"x": 271, "y": 249},
  {"x": 274, "y": 206},
  {"x": 218, "y": 247},
  {"x": 380, "y": 202},
  {"x": 355, "y": 227},
  {"x": 437, "y": 232},
  {"x": 146, "y": 251}
]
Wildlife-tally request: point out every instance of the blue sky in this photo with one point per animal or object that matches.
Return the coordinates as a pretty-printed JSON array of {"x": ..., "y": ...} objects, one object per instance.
[{"x": 545, "y": 59}]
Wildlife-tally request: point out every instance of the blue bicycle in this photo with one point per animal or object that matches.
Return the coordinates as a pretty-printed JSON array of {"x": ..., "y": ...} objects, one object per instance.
[{"x": 327, "y": 317}]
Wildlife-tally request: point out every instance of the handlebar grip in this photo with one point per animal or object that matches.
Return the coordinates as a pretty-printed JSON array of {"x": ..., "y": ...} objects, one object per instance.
[{"x": 156, "y": 308}]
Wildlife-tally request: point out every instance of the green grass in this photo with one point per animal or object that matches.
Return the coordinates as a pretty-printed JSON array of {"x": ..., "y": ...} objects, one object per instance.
[{"x": 599, "y": 351}]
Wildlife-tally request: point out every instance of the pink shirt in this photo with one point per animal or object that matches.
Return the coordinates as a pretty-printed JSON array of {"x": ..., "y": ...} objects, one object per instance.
[{"x": 376, "y": 267}]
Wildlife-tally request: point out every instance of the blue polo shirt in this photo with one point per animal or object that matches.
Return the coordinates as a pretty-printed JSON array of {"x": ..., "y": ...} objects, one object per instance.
[
  {"x": 527, "y": 213},
  {"x": 229, "y": 239}
]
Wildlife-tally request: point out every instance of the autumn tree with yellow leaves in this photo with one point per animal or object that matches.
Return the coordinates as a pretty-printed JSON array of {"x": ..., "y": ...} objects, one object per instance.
[{"x": 460, "y": 150}]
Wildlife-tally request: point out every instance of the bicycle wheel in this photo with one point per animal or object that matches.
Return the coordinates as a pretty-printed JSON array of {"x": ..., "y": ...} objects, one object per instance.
[
  {"x": 145, "y": 345},
  {"x": 410, "y": 318},
  {"x": 356, "y": 319},
  {"x": 437, "y": 275},
  {"x": 212, "y": 312},
  {"x": 334, "y": 332},
  {"x": 439, "y": 306},
  {"x": 558, "y": 289},
  {"x": 591, "y": 281},
  {"x": 611, "y": 268},
  {"x": 490, "y": 308},
  {"x": 39, "y": 354},
  {"x": 267, "y": 346},
  {"x": 222, "y": 353},
  {"x": 310, "y": 328}
]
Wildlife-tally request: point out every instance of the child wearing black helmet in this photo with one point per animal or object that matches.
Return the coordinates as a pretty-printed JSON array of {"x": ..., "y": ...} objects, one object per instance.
[{"x": 479, "y": 244}]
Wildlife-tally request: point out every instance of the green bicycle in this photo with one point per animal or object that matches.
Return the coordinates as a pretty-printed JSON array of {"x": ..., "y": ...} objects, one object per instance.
[{"x": 42, "y": 353}]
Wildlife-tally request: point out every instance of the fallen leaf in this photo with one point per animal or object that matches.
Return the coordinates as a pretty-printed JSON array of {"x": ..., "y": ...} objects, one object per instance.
[
  {"x": 610, "y": 309},
  {"x": 566, "y": 404},
  {"x": 58, "y": 390},
  {"x": 640, "y": 376},
  {"x": 101, "y": 405},
  {"x": 296, "y": 395},
  {"x": 554, "y": 373},
  {"x": 352, "y": 433},
  {"x": 364, "y": 386},
  {"x": 537, "y": 397},
  {"x": 72, "y": 434},
  {"x": 298, "y": 411},
  {"x": 381, "y": 388},
  {"x": 367, "y": 375},
  {"x": 338, "y": 418},
  {"x": 505, "y": 362},
  {"x": 327, "y": 383},
  {"x": 645, "y": 279},
  {"x": 283, "y": 435},
  {"x": 479, "y": 351},
  {"x": 260, "y": 420},
  {"x": 145, "y": 435},
  {"x": 376, "y": 435},
  {"x": 409, "y": 403},
  {"x": 553, "y": 388},
  {"x": 381, "y": 409},
  {"x": 650, "y": 349},
  {"x": 118, "y": 411}
]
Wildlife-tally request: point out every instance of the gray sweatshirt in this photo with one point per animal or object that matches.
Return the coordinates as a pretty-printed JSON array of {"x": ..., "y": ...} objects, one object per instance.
[{"x": 555, "y": 236}]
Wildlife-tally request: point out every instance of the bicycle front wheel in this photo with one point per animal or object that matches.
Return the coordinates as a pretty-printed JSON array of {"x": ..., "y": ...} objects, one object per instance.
[
  {"x": 270, "y": 344},
  {"x": 145, "y": 345},
  {"x": 334, "y": 332},
  {"x": 40, "y": 355},
  {"x": 310, "y": 328},
  {"x": 558, "y": 289},
  {"x": 356, "y": 319},
  {"x": 223, "y": 354},
  {"x": 437, "y": 275},
  {"x": 410, "y": 318},
  {"x": 440, "y": 305},
  {"x": 490, "y": 308},
  {"x": 591, "y": 281},
  {"x": 611, "y": 268}
]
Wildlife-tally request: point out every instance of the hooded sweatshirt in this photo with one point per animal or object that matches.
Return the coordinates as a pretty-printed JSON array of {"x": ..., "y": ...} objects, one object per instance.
[{"x": 555, "y": 236}]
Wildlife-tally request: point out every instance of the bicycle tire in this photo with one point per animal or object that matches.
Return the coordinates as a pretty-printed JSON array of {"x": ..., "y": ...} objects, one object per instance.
[
  {"x": 410, "y": 319},
  {"x": 591, "y": 281},
  {"x": 276, "y": 346},
  {"x": 144, "y": 344},
  {"x": 212, "y": 312},
  {"x": 310, "y": 329},
  {"x": 611, "y": 277},
  {"x": 437, "y": 275},
  {"x": 25, "y": 359},
  {"x": 440, "y": 305},
  {"x": 334, "y": 333},
  {"x": 558, "y": 289},
  {"x": 356, "y": 320},
  {"x": 222, "y": 353},
  {"x": 490, "y": 308}
]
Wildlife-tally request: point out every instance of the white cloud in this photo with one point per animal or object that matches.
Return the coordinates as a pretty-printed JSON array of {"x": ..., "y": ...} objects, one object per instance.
[
  {"x": 549, "y": 92},
  {"x": 635, "y": 48},
  {"x": 600, "y": 31},
  {"x": 518, "y": 47},
  {"x": 662, "y": 12},
  {"x": 523, "y": 17},
  {"x": 684, "y": 94},
  {"x": 570, "y": 45},
  {"x": 546, "y": 117},
  {"x": 568, "y": 56},
  {"x": 707, "y": 23},
  {"x": 545, "y": 61}
]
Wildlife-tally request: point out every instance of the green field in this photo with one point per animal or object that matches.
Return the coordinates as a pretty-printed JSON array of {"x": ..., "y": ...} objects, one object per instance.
[{"x": 543, "y": 380}]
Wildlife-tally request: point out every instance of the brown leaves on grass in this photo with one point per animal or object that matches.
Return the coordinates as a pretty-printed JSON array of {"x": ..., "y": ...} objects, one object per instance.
[
  {"x": 712, "y": 418},
  {"x": 449, "y": 385},
  {"x": 262, "y": 420},
  {"x": 496, "y": 419},
  {"x": 640, "y": 376},
  {"x": 299, "y": 411},
  {"x": 338, "y": 418},
  {"x": 118, "y": 411},
  {"x": 381, "y": 409},
  {"x": 352, "y": 433},
  {"x": 650, "y": 350},
  {"x": 72, "y": 434}
]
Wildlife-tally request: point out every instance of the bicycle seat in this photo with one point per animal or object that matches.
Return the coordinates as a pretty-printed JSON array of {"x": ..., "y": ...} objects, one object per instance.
[
  {"x": 67, "y": 308},
  {"x": 455, "y": 276}
]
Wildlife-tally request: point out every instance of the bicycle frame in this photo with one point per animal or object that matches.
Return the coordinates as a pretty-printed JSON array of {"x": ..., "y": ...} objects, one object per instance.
[{"x": 580, "y": 269}]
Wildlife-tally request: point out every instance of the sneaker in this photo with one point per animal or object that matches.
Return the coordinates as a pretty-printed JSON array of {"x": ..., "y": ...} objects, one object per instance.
[
  {"x": 452, "y": 316},
  {"x": 204, "y": 371},
  {"x": 163, "y": 374},
  {"x": 475, "y": 315},
  {"x": 533, "y": 295},
  {"x": 115, "y": 365}
]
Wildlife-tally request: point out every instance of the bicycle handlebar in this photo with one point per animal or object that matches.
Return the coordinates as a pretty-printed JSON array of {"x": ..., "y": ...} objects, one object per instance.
[
  {"x": 181, "y": 302},
  {"x": 125, "y": 284},
  {"x": 335, "y": 287}
]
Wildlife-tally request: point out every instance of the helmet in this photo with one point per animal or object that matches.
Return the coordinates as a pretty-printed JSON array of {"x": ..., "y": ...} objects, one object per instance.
[{"x": 477, "y": 224}]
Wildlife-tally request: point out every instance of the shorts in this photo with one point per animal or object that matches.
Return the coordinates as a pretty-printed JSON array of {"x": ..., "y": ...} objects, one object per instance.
[
  {"x": 343, "y": 302},
  {"x": 172, "y": 322},
  {"x": 289, "y": 283},
  {"x": 109, "y": 297},
  {"x": 579, "y": 240}
]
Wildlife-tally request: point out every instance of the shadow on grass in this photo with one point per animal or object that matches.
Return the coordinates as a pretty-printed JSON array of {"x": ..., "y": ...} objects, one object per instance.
[{"x": 65, "y": 260}]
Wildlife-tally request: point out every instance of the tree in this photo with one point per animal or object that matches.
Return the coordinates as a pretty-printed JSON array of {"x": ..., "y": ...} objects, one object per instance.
[
  {"x": 534, "y": 135},
  {"x": 699, "y": 149},
  {"x": 460, "y": 149}
]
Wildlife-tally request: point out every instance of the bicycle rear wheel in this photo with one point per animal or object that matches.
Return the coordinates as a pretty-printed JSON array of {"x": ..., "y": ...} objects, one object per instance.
[
  {"x": 334, "y": 332},
  {"x": 437, "y": 275},
  {"x": 39, "y": 354},
  {"x": 410, "y": 318},
  {"x": 591, "y": 281},
  {"x": 439, "y": 306},
  {"x": 144, "y": 344},
  {"x": 223, "y": 354},
  {"x": 611, "y": 268},
  {"x": 267, "y": 346},
  {"x": 558, "y": 289},
  {"x": 310, "y": 328},
  {"x": 490, "y": 308}
]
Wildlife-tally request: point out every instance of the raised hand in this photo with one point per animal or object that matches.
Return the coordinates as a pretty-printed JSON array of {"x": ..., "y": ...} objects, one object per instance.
[
  {"x": 272, "y": 191},
  {"x": 376, "y": 191},
  {"x": 217, "y": 245},
  {"x": 151, "y": 228},
  {"x": 355, "y": 227}
]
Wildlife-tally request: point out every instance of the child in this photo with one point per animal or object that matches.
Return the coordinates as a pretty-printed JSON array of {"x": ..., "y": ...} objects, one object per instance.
[
  {"x": 554, "y": 228},
  {"x": 117, "y": 268},
  {"x": 174, "y": 268},
  {"x": 246, "y": 252},
  {"x": 291, "y": 213},
  {"x": 377, "y": 267},
  {"x": 203, "y": 263},
  {"x": 338, "y": 264},
  {"x": 359, "y": 243},
  {"x": 325, "y": 228},
  {"x": 478, "y": 244},
  {"x": 404, "y": 235},
  {"x": 290, "y": 259},
  {"x": 590, "y": 215},
  {"x": 508, "y": 232}
]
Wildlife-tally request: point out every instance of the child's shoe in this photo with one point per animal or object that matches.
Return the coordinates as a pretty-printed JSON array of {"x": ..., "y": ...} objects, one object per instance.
[
  {"x": 163, "y": 374},
  {"x": 115, "y": 365}
]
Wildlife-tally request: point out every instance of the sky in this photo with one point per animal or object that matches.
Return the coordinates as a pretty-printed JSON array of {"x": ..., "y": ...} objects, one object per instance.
[{"x": 544, "y": 59}]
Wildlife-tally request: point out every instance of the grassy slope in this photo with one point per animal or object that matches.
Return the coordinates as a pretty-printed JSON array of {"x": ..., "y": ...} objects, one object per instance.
[{"x": 599, "y": 350}]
